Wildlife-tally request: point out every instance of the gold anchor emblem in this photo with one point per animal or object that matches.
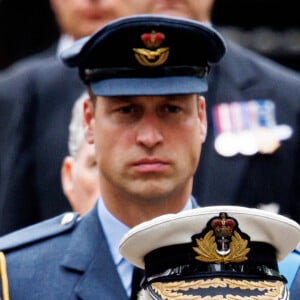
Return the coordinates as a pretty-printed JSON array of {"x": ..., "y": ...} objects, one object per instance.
[{"x": 153, "y": 56}]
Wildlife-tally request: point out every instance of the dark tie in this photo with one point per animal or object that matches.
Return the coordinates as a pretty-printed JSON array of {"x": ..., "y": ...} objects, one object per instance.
[{"x": 137, "y": 277}]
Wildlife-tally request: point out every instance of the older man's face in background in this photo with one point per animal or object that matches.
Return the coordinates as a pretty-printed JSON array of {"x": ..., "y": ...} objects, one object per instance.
[
  {"x": 193, "y": 9},
  {"x": 79, "y": 18}
]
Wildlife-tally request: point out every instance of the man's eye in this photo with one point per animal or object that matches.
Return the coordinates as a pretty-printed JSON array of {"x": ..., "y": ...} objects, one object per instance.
[
  {"x": 126, "y": 109},
  {"x": 172, "y": 109}
]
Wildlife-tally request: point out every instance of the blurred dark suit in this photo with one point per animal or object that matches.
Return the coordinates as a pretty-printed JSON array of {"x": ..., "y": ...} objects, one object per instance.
[
  {"x": 12, "y": 90},
  {"x": 259, "y": 179},
  {"x": 32, "y": 189},
  {"x": 42, "y": 96}
]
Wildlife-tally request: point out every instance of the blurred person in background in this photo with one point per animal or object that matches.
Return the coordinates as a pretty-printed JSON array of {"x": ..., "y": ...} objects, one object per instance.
[
  {"x": 79, "y": 172},
  {"x": 79, "y": 18}
]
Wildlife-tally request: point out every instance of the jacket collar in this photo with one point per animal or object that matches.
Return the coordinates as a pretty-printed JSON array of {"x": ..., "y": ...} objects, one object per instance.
[{"x": 88, "y": 255}]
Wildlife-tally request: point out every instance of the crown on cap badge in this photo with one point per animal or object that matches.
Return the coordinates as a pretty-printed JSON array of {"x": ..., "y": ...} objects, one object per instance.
[
  {"x": 152, "y": 40},
  {"x": 153, "y": 56},
  {"x": 223, "y": 229},
  {"x": 222, "y": 242}
]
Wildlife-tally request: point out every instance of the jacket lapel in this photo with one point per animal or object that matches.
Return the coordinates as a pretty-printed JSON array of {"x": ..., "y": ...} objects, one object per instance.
[
  {"x": 295, "y": 288},
  {"x": 88, "y": 255}
]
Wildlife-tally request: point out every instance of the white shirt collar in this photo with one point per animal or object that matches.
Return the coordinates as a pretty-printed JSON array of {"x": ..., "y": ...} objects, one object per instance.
[
  {"x": 65, "y": 41},
  {"x": 115, "y": 230}
]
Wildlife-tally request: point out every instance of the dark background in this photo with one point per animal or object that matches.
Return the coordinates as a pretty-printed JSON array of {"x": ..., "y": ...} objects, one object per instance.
[{"x": 271, "y": 27}]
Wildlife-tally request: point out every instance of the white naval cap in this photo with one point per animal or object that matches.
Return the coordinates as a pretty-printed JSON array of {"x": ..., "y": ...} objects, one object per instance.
[{"x": 203, "y": 248}]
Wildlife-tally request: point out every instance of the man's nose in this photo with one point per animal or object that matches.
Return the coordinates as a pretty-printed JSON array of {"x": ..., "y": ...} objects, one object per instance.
[{"x": 149, "y": 132}]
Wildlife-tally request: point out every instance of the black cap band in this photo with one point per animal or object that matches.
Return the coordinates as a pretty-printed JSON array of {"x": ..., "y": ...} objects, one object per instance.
[
  {"x": 89, "y": 75},
  {"x": 179, "y": 260}
]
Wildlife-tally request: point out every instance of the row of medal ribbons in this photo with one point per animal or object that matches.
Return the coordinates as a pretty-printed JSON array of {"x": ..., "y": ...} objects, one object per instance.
[{"x": 248, "y": 128}]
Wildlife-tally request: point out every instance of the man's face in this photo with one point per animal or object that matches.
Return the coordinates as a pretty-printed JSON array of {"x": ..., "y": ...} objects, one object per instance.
[
  {"x": 146, "y": 147},
  {"x": 79, "y": 18},
  {"x": 192, "y": 9}
]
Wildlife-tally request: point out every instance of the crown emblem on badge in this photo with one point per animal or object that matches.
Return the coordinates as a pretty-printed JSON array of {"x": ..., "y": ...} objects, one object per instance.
[
  {"x": 223, "y": 229},
  {"x": 222, "y": 243},
  {"x": 152, "y": 55},
  {"x": 152, "y": 40}
]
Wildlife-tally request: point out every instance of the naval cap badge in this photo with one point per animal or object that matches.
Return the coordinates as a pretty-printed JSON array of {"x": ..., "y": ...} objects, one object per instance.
[
  {"x": 152, "y": 55},
  {"x": 221, "y": 242}
]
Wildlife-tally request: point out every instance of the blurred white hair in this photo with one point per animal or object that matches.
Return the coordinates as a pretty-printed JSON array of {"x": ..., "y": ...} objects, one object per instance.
[{"x": 76, "y": 133}]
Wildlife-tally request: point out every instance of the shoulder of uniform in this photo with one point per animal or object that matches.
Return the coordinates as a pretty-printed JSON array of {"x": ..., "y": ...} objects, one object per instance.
[{"x": 39, "y": 231}]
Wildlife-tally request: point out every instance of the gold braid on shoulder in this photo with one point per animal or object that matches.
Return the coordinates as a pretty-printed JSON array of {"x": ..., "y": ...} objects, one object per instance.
[{"x": 4, "y": 278}]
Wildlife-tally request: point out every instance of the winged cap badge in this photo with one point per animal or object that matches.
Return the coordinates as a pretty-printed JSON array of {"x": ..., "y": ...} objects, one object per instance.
[{"x": 152, "y": 55}]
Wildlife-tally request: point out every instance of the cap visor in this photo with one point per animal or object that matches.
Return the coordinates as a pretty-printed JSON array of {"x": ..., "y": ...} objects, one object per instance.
[{"x": 149, "y": 86}]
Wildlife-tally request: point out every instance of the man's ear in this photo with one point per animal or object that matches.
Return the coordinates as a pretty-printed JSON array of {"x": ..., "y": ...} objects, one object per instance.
[
  {"x": 202, "y": 117},
  {"x": 88, "y": 121},
  {"x": 66, "y": 175}
]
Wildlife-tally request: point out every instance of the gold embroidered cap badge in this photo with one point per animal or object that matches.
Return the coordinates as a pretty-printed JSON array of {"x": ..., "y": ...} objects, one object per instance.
[
  {"x": 152, "y": 55},
  {"x": 222, "y": 243}
]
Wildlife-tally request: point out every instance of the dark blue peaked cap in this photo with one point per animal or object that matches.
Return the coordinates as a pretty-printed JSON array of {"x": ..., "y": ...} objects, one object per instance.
[{"x": 147, "y": 55}]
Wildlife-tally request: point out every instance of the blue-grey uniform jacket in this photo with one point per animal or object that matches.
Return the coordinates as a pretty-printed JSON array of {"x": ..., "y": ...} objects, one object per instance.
[
  {"x": 291, "y": 266},
  {"x": 63, "y": 258},
  {"x": 295, "y": 288}
]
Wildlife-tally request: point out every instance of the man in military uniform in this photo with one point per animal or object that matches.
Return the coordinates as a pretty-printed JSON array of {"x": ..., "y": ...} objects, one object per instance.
[{"x": 146, "y": 116}]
